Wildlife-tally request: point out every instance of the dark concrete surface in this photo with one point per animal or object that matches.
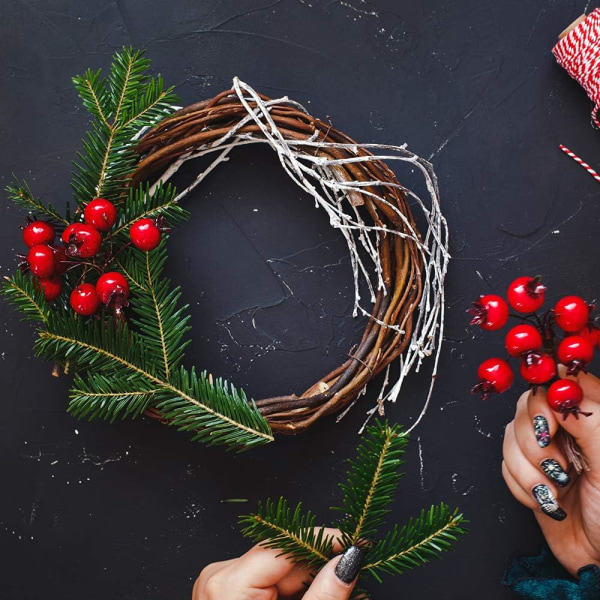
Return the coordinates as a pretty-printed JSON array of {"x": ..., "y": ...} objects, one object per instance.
[{"x": 134, "y": 510}]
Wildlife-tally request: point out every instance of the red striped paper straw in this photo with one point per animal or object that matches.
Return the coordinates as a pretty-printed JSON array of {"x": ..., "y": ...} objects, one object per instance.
[{"x": 581, "y": 162}]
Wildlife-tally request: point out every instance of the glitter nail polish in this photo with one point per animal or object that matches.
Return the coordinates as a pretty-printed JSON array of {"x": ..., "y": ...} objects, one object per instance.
[{"x": 349, "y": 565}]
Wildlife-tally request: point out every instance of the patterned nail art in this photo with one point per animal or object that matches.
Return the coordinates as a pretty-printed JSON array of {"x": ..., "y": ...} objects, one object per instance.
[
  {"x": 542, "y": 432},
  {"x": 548, "y": 503},
  {"x": 555, "y": 472}
]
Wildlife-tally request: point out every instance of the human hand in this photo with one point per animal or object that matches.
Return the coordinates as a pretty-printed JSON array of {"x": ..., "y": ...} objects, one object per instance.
[
  {"x": 536, "y": 470},
  {"x": 262, "y": 575}
]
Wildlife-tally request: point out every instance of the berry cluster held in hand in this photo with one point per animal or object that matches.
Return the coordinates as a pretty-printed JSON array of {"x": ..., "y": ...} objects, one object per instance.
[
  {"x": 564, "y": 334},
  {"x": 82, "y": 244}
]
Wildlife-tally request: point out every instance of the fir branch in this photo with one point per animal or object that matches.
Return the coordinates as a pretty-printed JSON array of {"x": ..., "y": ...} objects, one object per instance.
[
  {"x": 21, "y": 195},
  {"x": 422, "y": 539},
  {"x": 371, "y": 482},
  {"x": 136, "y": 282},
  {"x": 99, "y": 396},
  {"x": 159, "y": 320},
  {"x": 92, "y": 91},
  {"x": 372, "y": 471},
  {"x": 122, "y": 104},
  {"x": 215, "y": 414},
  {"x": 20, "y": 291},
  {"x": 294, "y": 533},
  {"x": 141, "y": 204}
]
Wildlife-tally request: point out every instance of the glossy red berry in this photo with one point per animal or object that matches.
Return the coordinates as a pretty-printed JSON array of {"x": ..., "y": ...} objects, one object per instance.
[
  {"x": 100, "y": 214},
  {"x": 576, "y": 353},
  {"x": 112, "y": 286},
  {"x": 82, "y": 241},
  {"x": 526, "y": 294},
  {"x": 145, "y": 234},
  {"x": 84, "y": 299},
  {"x": 571, "y": 313},
  {"x": 38, "y": 232},
  {"x": 522, "y": 339},
  {"x": 490, "y": 312},
  {"x": 51, "y": 286},
  {"x": 41, "y": 260},
  {"x": 495, "y": 375},
  {"x": 61, "y": 260},
  {"x": 591, "y": 334},
  {"x": 538, "y": 368},
  {"x": 564, "y": 396}
]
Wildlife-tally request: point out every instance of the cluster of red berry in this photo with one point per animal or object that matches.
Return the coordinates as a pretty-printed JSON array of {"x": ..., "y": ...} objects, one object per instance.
[
  {"x": 536, "y": 342},
  {"x": 81, "y": 243}
]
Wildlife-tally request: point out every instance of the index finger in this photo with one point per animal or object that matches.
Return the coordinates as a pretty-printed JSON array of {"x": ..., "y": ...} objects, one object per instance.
[{"x": 263, "y": 567}]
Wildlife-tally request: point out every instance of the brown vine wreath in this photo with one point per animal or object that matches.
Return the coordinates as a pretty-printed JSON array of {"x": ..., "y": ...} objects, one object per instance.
[
  {"x": 354, "y": 186},
  {"x": 106, "y": 313}
]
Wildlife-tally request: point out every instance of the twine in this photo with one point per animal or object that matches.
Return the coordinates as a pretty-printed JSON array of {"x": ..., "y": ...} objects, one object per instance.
[
  {"x": 580, "y": 162},
  {"x": 346, "y": 180},
  {"x": 578, "y": 53}
]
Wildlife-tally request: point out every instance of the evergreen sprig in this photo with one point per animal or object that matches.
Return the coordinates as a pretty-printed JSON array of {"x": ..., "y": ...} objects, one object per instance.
[
  {"x": 20, "y": 291},
  {"x": 127, "y": 363},
  {"x": 277, "y": 526},
  {"x": 371, "y": 482},
  {"x": 122, "y": 104},
  {"x": 21, "y": 195},
  {"x": 372, "y": 479}
]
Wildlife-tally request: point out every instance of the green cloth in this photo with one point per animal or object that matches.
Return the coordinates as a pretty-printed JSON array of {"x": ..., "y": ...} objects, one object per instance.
[{"x": 543, "y": 578}]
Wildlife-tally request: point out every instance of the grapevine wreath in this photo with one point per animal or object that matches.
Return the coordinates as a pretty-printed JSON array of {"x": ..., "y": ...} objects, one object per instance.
[{"x": 108, "y": 314}]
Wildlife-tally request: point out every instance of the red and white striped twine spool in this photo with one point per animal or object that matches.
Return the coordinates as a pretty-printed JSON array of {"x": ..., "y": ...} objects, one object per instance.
[{"x": 579, "y": 54}]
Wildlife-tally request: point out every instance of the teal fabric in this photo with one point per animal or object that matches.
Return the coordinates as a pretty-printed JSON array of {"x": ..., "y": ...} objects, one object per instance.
[{"x": 543, "y": 578}]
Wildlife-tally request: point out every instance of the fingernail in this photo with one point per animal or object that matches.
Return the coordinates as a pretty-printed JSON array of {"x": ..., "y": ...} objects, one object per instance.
[
  {"x": 555, "y": 472},
  {"x": 548, "y": 503},
  {"x": 349, "y": 565},
  {"x": 542, "y": 432}
]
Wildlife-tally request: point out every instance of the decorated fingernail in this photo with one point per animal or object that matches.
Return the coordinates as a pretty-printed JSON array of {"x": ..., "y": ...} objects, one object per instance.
[
  {"x": 555, "y": 472},
  {"x": 349, "y": 565},
  {"x": 548, "y": 503},
  {"x": 542, "y": 432}
]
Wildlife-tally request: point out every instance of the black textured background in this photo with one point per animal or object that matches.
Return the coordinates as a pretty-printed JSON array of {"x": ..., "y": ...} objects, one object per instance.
[{"x": 134, "y": 510}]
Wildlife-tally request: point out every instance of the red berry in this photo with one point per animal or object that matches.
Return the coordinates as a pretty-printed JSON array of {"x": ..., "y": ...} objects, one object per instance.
[
  {"x": 490, "y": 312},
  {"x": 51, "y": 286},
  {"x": 60, "y": 260},
  {"x": 145, "y": 235},
  {"x": 112, "y": 286},
  {"x": 100, "y": 214},
  {"x": 84, "y": 299},
  {"x": 538, "y": 368},
  {"x": 591, "y": 334},
  {"x": 571, "y": 313},
  {"x": 495, "y": 375},
  {"x": 41, "y": 260},
  {"x": 576, "y": 353},
  {"x": 522, "y": 339},
  {"x": 526, "y": 294},
  {"x": 564, "y": 396},
  {"x": 83, "y": 241},
  {"x": 38, "y": 232}
]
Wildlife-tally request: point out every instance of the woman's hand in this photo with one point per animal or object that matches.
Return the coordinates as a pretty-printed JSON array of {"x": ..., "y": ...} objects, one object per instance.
[
  {"x": 566, "y": 505},
  {"x": 262, "y": 575}
]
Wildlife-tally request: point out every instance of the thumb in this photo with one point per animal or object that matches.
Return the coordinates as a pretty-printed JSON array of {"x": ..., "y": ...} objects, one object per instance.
[{"x": 337, "y": 578}]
